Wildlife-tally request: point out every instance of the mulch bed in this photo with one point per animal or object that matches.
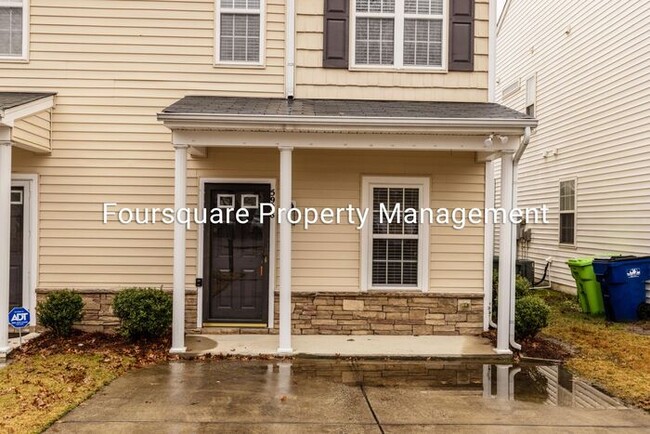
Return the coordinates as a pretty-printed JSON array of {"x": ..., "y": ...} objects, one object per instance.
[
  {"x": 539, "y": 347},
  {"x": 143, "y": 353}
]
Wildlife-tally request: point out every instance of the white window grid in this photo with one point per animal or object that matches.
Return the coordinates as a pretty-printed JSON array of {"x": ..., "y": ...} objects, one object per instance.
[
  {"x": 251, "y": 201},
  {"x": 240, "y": 7},
  {"x": 24, "y": 5},
  {"x": 226, "y": 201},
  {"x": 399, "y": 15}
]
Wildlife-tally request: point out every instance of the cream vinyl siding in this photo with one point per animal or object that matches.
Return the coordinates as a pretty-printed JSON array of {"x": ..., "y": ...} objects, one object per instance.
[
  {"x": 314, "y": 81},
  {"x": 114, "y": 65},
  {"x": 593, "y": 100},
  {"x": 34, "y": 132}
]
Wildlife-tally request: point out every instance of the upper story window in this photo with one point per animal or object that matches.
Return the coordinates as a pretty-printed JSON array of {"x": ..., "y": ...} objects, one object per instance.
[
  {"x": 239, "y": 32},
  {"x": 13, "y": 29},
  {"x": 399, "y": 33},
  {"x": 568, "y": 212}
]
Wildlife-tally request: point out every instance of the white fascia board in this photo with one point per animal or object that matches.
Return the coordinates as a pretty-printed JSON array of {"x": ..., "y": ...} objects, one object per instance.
[
  {"x": 337, "y": 140},
  {"x": 338, "y": 123},
  {"x": 9, "y": 116}
]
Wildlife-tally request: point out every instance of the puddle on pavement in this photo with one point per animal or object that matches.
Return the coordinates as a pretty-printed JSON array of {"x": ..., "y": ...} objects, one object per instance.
[{"x": 541, "y": 384}]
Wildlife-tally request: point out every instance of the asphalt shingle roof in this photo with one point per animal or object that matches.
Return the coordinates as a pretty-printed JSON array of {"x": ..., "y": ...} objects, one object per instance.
[
  {"x": 10, "y": 100},
  {"x": 218, "y": 105}
]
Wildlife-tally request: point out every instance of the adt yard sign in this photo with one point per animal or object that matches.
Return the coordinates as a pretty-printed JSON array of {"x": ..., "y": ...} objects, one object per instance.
[{"x": 19, "y": 317}]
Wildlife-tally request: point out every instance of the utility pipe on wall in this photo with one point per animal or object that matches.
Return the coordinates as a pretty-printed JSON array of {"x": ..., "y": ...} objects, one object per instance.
[{"x": 290, "y": 50}]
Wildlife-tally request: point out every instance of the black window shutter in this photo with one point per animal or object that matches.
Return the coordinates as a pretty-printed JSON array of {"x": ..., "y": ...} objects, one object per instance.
[
  {"x": 461, "y": 35},
  {"x": 335, "y": 34}
]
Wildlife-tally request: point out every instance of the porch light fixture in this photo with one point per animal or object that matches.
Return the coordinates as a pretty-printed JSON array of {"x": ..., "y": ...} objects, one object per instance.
[{"x": 490, "y": 140}]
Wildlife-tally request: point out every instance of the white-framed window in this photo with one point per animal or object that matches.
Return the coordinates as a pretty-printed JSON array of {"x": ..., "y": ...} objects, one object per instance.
[
  {"x": 239, "y": 32},
  {"x": 568, "y": 219},
  {"x": 400, "y": 34},
  {"x": 14, "y": 29},
  {"x": 394, "y": 254},
  {"x": 531, "y": 96}
]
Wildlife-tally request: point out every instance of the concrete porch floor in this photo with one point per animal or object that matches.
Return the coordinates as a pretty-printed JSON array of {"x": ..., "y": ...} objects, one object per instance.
[{"x": 344, "y": 346}]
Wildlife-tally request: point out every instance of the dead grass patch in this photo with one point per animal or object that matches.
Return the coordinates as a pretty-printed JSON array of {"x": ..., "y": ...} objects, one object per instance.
[{"x": 614, "y": 356}]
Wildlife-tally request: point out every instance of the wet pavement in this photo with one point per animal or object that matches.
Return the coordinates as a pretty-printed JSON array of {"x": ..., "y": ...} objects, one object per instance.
[{"x": 339, "y": 396}]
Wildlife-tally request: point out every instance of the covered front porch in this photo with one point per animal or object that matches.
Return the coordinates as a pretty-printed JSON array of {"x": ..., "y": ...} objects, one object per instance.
[
  {"x": 369, "y": 145},
  {"x": 24, "y": 123}
]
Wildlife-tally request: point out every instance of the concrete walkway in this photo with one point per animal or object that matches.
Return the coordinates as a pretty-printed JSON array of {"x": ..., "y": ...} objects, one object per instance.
[
  {"x": 340, "y": 396},
  {"x": 345, "y": 346}
]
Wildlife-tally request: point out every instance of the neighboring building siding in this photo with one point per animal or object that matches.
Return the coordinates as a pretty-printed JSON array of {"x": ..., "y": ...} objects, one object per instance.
[
  {"x": 34, "y": 132},
  {"x": 593, "y": 99},
  {"x": 312, "y": 81}
]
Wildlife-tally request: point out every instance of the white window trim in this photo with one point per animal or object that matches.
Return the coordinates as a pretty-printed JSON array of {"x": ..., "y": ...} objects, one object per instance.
[
  {"x": 24, "y": 57},
  {"x": 574, "y": 212},
  {"x": 217, "y": 33},
  {"x": 398, "y": 45},
  {"x": 368, "y": 182}
]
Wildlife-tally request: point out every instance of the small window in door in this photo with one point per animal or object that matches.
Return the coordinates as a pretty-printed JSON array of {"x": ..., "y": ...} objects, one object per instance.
[
  {"x": 226, "y": 200},
  {"x": 16, "y": 197},
  {"x": 250, "y": 201}
]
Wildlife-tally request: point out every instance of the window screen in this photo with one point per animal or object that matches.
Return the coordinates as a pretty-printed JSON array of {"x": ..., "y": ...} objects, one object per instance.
[
  {"x": 395, "y": 244},
  {"x": 240, "y": 31},
  {"x": 11, "y": 28}
]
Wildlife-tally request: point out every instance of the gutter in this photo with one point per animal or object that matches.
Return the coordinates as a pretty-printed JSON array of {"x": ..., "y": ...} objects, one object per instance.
[
  {"x": 495, "y": 124},
  {"x": 290, "y": 50}
]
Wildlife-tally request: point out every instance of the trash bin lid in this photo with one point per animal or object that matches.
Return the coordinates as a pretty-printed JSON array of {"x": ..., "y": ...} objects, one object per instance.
[{"x": 580, "y": 262}]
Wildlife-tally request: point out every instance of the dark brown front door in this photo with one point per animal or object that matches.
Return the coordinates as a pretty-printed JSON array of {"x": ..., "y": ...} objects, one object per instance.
[
  {"x": 236, "y": 256},
  {"x": 16, "y": 247}
]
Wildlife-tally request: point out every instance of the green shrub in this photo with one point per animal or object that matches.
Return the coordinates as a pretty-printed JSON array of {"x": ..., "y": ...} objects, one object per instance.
[
  {"x": 144, "y": 312},
  {"x": 531, "y": 316},
  {"x": 59, "y": 311},
  {"x": 523, "y": 287}
]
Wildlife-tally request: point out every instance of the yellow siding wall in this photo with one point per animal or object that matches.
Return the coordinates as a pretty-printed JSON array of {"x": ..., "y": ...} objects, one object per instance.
[
  {"x": 34, "y": 132},
  {"x": 315, "y": 82}
]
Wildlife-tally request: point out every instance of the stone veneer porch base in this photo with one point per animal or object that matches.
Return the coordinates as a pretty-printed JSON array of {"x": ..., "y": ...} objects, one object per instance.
[
  {"x": 329, "y": 313},
  {"x": 98, "y": 309},
  {"x": 377, "y": 313}
]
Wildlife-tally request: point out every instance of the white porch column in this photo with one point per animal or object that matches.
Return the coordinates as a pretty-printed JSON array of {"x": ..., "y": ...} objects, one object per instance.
[
  {"x": 5, "y": 233},
  {"x": 180, "y": 192},
  {"x": 506, "y": 278},
  {"x": 488, "y": 246},
  {"x": 284, "y": 346}
]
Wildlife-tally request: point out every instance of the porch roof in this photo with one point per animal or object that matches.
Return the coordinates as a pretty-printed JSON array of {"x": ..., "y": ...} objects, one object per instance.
[
  {"x": 428, "y": 114},
  {"x": 9, "y": 100}
]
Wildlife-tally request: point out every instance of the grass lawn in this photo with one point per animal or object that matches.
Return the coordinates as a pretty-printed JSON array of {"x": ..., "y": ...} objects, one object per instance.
[
  {"x": 51, "y": 376},
  {"x": 614, "y": 356}
]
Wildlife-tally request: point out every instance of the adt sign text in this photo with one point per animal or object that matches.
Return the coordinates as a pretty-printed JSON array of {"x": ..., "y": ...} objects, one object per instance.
[{"x": 19, "y": 317}]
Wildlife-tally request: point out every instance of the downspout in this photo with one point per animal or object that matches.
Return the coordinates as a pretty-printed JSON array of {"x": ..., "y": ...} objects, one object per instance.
[
  {"x": 488, "y": 232},
  {"x": 515, "y": 174},
  {"x": 290, "y": 50}
]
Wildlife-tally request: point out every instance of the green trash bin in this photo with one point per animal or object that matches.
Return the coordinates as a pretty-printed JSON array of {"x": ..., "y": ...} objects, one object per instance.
[{"x": 590, "y": 295}]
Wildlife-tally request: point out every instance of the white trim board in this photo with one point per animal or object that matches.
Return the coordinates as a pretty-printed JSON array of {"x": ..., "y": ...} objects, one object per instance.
[{"x": 272, "y": 241}]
